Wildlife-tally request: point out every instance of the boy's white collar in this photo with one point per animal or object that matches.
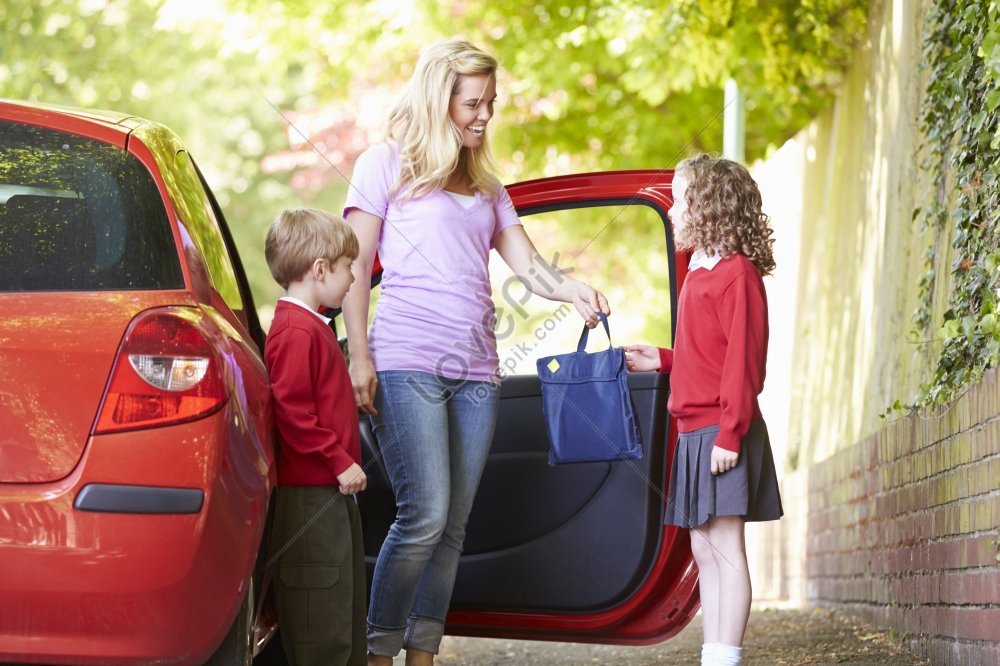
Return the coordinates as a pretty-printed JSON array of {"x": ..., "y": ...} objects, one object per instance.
[
  {"x": 302, "y": 304},
  {"x": 701, "y": 260}
]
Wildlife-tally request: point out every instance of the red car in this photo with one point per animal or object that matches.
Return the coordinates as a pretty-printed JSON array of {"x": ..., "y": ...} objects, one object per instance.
[
  {"x": 137, "y": 453},
  {"x": 137, "y": 450}
]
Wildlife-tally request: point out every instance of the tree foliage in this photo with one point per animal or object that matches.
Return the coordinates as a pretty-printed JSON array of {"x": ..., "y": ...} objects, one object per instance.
[
  {"x": 586, "y": 85},
  {"x": 593, "y": 85},
  {"x": 200, "y": 77},
  {"x": 638, "y": 83}
]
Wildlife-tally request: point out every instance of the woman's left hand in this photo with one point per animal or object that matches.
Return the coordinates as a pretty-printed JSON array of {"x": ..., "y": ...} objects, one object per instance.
[{"x": 589, "y": 302}]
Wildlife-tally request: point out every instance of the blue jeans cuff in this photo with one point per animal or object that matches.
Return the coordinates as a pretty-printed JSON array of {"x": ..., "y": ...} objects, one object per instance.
[
  {"x": 423, "y": 634},
  {"x": 385, "y": 642}
]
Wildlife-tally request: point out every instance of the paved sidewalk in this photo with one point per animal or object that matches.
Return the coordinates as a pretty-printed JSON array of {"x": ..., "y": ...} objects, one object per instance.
[{"x": 774, "y": 638}]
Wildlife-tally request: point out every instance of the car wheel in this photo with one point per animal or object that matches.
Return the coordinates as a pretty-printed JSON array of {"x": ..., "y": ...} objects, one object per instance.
[{"x": 237, "y": 646}]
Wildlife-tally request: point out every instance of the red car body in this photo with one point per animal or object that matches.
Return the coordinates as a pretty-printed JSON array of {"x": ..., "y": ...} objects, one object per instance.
[{"x": 130, "y": 517}]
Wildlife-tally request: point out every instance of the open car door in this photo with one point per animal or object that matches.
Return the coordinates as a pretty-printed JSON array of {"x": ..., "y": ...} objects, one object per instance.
[{"x": 574, "y": 552}]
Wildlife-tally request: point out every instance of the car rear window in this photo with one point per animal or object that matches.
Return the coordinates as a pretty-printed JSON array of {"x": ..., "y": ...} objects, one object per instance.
[{"x": 79, "y": 215}]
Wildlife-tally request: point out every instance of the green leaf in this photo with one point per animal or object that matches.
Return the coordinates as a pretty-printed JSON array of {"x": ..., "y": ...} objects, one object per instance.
[
  {"x": 990, "y": 325},
  {"x": 992, "y": 262},
  {"x": 951, "y": 329}
]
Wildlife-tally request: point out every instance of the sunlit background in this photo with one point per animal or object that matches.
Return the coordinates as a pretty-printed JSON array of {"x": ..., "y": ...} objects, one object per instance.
[{"x": 277, "y": 99}]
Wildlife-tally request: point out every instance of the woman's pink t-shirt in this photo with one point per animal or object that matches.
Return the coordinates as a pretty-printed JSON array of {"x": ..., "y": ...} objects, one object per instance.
[{"x": 435, "y": 313}]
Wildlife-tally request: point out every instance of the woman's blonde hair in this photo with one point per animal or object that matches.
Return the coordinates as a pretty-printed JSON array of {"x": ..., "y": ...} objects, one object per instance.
[
  {"x": 430, "y": 145},
  {"x": 724, "y": 211},
  {"x": 297, "y": 238}
]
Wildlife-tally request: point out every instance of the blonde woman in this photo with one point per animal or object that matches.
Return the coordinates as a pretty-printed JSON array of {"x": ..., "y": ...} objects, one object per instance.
[{"x": 427, "y": 372}]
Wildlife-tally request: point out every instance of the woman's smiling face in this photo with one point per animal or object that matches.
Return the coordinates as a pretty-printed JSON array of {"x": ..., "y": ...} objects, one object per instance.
[{"x": 472, "y": 107}]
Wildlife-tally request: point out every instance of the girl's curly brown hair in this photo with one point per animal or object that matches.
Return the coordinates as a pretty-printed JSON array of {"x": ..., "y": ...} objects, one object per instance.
[{"x": 724, "y": 211}]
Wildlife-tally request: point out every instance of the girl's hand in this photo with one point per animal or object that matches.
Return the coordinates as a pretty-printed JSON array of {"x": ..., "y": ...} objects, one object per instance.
[
  {"x": 723, "y": 460},
  {"x": 589, "y": 302},
  {"x": 642, "y": 358},
  {"x": 364, "y": 382}
]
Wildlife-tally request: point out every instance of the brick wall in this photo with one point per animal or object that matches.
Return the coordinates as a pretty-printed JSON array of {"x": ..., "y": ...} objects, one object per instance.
[{"x": 902, "y": 527}]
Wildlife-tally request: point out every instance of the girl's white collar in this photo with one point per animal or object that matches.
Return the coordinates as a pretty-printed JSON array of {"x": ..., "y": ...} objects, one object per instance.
[{"x": 701, "y": 260}]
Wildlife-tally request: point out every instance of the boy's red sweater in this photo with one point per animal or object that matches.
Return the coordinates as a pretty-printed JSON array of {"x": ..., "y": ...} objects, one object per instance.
[
  {"x": 717, "y": 364},
  {"x": 313, "y": 400}
]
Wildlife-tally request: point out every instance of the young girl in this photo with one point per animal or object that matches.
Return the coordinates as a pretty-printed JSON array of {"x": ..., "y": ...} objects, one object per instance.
[
  {"x": 723, "y": 472},
  {"x": 427, "y": 373}
]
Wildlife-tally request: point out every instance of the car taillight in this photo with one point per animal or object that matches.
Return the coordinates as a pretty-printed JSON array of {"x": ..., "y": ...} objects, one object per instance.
[{"x": 167, "y": 371}]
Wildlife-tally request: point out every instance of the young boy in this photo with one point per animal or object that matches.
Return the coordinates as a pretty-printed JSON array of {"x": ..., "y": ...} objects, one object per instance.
[{"x": 320, "y": 573}]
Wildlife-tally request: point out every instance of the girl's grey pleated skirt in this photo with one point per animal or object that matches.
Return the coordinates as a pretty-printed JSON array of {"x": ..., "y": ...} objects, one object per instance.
[{"x": 750, "y": 489}]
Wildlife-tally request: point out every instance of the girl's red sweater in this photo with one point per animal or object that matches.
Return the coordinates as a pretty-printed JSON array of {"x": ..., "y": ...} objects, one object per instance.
[{"x": 717, "y": 364}]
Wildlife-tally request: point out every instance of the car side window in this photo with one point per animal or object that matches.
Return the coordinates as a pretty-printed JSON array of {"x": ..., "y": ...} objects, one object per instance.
[
  {"x": 620, "y": 248},
  {"x": 199, "y": 219}
]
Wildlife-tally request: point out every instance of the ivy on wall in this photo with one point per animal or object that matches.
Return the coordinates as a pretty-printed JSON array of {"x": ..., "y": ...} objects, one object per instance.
[{"x": 960, "y": 121}]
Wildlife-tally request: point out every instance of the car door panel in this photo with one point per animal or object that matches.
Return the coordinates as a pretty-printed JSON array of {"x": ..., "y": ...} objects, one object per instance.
[{"x": 522, "y": 549}]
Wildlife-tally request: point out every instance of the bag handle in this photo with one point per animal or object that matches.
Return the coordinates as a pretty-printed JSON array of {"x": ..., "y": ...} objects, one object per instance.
[{"x": 580, "y": 346}]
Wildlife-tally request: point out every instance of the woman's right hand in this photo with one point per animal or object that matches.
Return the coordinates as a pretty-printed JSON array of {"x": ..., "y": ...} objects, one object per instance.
[
  {"x": 364, "y": 381},
  {"x": 642, "y": 358},
  {"x": 589, "y": 302}
]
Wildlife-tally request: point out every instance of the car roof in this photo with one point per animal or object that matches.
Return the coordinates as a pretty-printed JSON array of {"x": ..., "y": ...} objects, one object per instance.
[{"x": 111, "y": 126}]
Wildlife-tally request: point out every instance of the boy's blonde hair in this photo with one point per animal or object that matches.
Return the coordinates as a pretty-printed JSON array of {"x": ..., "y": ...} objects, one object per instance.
[
  {"x": 724, "y": 211},
  {"x": 298, "y": 237},
  {"x": 430, "y": 145}
]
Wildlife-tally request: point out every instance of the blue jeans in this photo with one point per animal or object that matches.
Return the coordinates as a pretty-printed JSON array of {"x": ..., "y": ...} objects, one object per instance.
[{"x": 435, "y": 434}]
